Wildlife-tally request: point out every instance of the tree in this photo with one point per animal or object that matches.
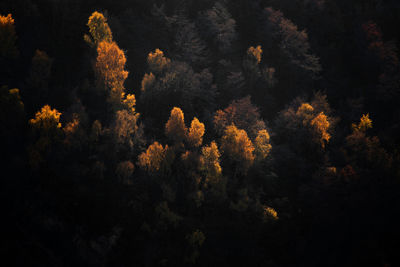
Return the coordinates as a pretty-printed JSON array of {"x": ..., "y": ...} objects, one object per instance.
[
  {"x": 110, "y": 70},
  {"x": 236, "y": 146},
  {"x": 176, "y": 85},
  {"x": 175, "y": 128},
  {"x": 189, "y": 45},
  {"x": 157, "y": 62},
  {"x": 124, "y": 171},
  {"x": 251, "y": 63},
  {"x": 293, "y": 43},
  {"x": 195, "y": 134},
  {"x": 40, "y": 71},
  {"x": 320, "y": 126},
  {"x": 8, "y": 37},
  {"x": 262, "y": 147},
  {"x": 125, "y": 128},
  {"x": 152, "y": 160},
  {"x": 195, "y": 240},
  {"x": 147, "y": 81},
  {"x": 242, "y": 113},
  {"x": 364, "y": 124},
  {"x": 46, "y": 130},
  {"x": 210, "y": 166},
  {"x": 12, "y": 118},
  {"x": 220, "y": 27},
  {"x": 98, "y": 29}
]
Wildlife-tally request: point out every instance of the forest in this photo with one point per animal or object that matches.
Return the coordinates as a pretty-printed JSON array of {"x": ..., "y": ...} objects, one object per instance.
[{"x": 200, "y": 133}]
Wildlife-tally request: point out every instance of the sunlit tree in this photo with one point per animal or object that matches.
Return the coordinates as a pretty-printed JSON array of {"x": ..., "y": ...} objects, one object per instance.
[
  {"x": 153, "y": 158},
  {"x": 110, "y": 70},
  {"x": 8, "y": 37},
  {"x": 262, "y": 146},
  {"x": 195, "y": 133},
  {"x": 364, "y": 124},
  {"x": 236, "y": 146},
  {"x": 46, "y": 130},
  {"x": 210, "y": 166},
  {"x": 157, "y": 62},
  {"x": 320, "y": 127},
  {"x": 175, "y": 128},
  {"x": 98, "y": 29}
]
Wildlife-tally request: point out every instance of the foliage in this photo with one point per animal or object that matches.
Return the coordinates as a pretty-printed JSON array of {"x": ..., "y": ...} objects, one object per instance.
[
  {"x": 175, "y": 128},
  {"x": 98, "y": 29},
  {"x": 195, "y": 133},
  {"x": 8, "y": 37},
  {"x": 236, "y": 145}
]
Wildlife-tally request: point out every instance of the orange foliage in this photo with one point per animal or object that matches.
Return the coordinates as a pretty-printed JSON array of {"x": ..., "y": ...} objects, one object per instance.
[
  {"x": 262, "y": 145},
  {"x": 255, "y": 53},
  {"x": 46, "y": 119},
  {"x": 152, "y": 159},
  {"x": 320, "y": 124},
  {"x": 195, "y": 134},
  {"x": 147, "y": 81},
  {"x": 98, "y": 29},
  {"x": 157, "y": 61},
  {"x": 8, "y": 37},
  {"x": 175, "y": 128},
  {"x": 110, "y": 66},
  {"x": 236, "y": 145}
]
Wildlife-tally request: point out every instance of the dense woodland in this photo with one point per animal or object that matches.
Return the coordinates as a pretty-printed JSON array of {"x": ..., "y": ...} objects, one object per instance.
[{"x": 200, "y": 132}]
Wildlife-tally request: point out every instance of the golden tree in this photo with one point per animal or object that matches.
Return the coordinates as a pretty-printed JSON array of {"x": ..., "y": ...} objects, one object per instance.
[
  {"x": 157, "y": 61},
  {"x": 110, "y": 70},
  {"x": 175, "y": 128},
  {"x": 195, "y": 134},
  {"x": 236, "y": 145},
  {"x": 262, "y": 145},
  {"x": 98, "y": 29},
  {"x": 209, "y": 160},
  {"x": 153, "y": 158},
  {"x": 364, "y": 124},
  {"x": 46, "y": 129},
  {"x": 46, "y": 120},
  {"x": 320, "y": 126},
  {"x": 8, "y": 37},
  {"x": 211, "y": 168}
]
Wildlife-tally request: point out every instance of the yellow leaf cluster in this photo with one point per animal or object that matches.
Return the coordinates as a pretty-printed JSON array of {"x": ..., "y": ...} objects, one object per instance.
[
  {"x": 46, "y": 119},
  {"x": 364, "y": 124},
  {"x": 255, "y": 53}
]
